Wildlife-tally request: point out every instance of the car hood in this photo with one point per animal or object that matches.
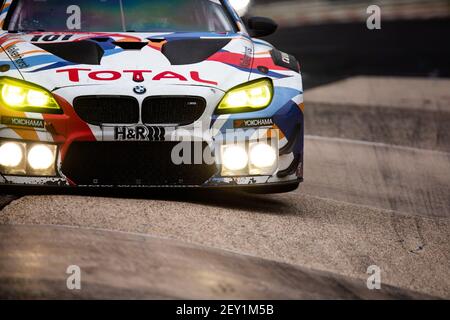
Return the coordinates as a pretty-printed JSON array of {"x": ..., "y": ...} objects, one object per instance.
[{"x": 57, "y": 60}]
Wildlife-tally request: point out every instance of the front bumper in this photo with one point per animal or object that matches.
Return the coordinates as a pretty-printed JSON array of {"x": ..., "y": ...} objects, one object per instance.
[
  {"x": 119, "y": 156},
  {"x": 82, "y": 163}
]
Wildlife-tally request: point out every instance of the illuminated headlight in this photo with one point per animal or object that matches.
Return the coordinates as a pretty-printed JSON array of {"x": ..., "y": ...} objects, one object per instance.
[
  {"x": 234, "y": 160},
  {"x": 11, "y": 154},
  {"x": 263, "y": 159},
  {"x": 41, "y": 158},
  {"x": 252, "y": 96},
  {"x": 17, "y": 158},
  {"x": 251, "y": 159},
  {"x": 26, "y": 97},
  {"x": 12, "y": 158}
]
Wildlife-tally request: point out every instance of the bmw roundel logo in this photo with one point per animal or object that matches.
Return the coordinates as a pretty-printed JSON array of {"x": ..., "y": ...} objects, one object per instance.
[{"x": 140, "y": 89}]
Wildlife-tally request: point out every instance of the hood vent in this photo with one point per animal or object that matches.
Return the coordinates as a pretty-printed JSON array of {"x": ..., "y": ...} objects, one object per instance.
[
  {"x": 131, "y": 45},
  {"x": 101, "y": 39},
  {"x": 189, "y": 51},
  {"x": 80, "y": 52}
]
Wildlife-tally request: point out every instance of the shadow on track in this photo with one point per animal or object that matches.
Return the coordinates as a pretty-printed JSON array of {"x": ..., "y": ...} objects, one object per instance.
[{"x": 220, "y": 198}]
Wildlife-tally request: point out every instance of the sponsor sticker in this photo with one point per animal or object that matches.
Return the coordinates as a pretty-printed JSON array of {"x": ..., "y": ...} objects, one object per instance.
[
  {"x": 252, "y": 123},
  {"x": 24, "y": 122},
  {"x": 139, "y": 133},
  {"x": 15, "y": 54}
]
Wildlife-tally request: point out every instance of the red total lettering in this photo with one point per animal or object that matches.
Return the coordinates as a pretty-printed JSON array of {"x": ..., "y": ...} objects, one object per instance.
[
  {"x": 138, "y": 75},
  {"x": 196, "y": 77},
  {"x": 110, "y": 75},
  {"x": 169, "y": 75},
  {"x": 74, "y": 74}
]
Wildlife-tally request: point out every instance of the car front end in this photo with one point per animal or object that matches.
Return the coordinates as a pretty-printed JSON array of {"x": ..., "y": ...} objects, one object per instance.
[{"x": 163, "y": 108}]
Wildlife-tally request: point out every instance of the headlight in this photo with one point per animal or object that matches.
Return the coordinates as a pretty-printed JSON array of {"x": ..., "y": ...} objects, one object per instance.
[
  {"x": 249, "y": 97},
  {"x": 12, "y": 158},
  {"x": 254, "y": 159},
  {"x": 263, "y": 159},
  {"x": 234, "y": 159},
  {"x": 26, "y": 97},
  {"x": 41, "y": 157},
  {"x": 21, "y": 158},
  {"x": 11, "y": 154}
]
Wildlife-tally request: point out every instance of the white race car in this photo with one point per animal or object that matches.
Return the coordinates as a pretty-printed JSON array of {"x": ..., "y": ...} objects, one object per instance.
[{"x": 146, "y": 93}]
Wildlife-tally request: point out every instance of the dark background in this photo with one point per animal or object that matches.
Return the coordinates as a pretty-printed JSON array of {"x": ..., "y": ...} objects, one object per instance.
[{"x": 331, "y": 51}]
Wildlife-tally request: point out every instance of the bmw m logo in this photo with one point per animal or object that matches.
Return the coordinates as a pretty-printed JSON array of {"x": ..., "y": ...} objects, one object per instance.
[{"x": 140, "y": 89}]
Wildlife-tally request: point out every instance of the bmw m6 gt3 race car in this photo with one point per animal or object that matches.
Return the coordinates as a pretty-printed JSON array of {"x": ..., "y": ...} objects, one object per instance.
[{"x": 146, "y": 93}]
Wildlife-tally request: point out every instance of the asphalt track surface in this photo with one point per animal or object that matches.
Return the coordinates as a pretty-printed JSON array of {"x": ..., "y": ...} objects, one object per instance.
[
  {"x": 158, "y": 269},
  {"x": 411, "y": 112},
  {"x": 363, "y": 203},
  {"x": 408, "y": 180}
]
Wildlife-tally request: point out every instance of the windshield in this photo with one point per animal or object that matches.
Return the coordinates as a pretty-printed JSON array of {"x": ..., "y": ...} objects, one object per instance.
[{"x": 119, "y": 15}]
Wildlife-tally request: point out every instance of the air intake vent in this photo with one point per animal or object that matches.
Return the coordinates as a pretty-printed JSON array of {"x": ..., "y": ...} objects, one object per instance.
[
  {"x": 189, "y": 51},
  {"x": 132, "y": 163},
  {"x": 80, "y": 52},
  {"x": 172, "y": 110},
  {"x": 131, "y": 45},
  {"x": 99, "y": 110}
]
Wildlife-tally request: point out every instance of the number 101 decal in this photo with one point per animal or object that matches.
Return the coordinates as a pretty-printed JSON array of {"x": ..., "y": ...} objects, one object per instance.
[{"x": 51, "y": 37}]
